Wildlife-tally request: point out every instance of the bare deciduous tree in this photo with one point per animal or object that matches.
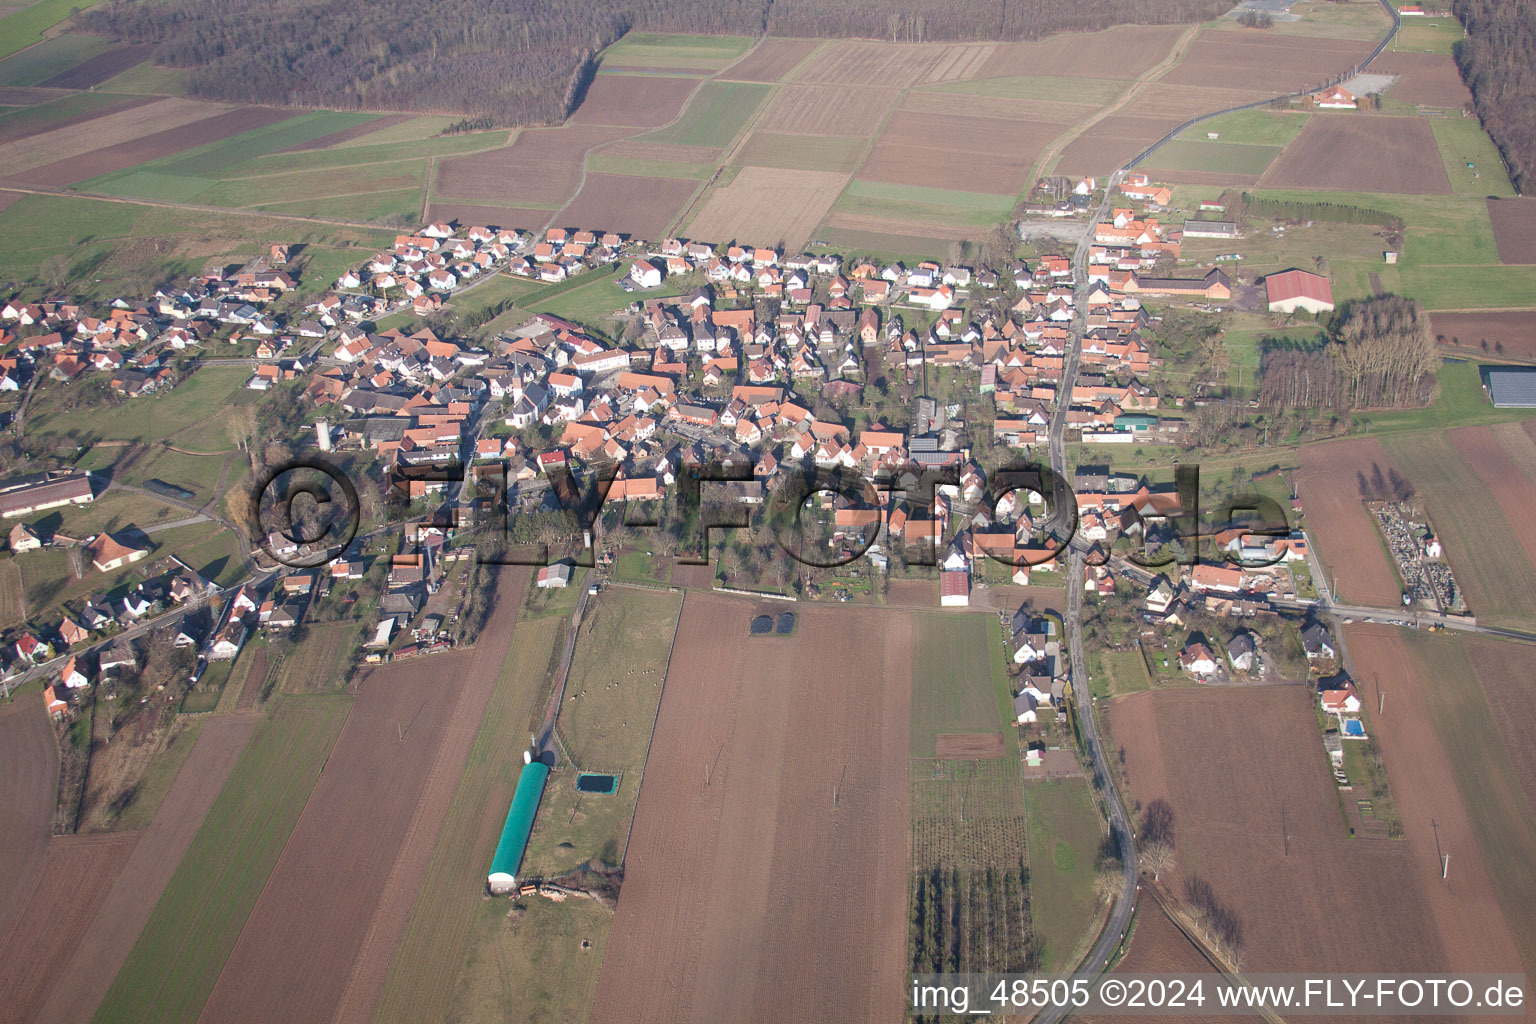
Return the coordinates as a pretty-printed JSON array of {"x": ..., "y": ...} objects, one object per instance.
[{"x": 1157, "y": 857}]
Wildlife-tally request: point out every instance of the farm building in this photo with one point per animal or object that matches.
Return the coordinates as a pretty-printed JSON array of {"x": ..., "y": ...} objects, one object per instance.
[
  {"x": 1297, "y": 289},
  {"x": 1211, "y": 229},
  {"x": 955, "y": 588},
  {"x": 1510, "y": 387},
  {"x": 26, "y": 495},
  {"x": 514, "y": 835}
]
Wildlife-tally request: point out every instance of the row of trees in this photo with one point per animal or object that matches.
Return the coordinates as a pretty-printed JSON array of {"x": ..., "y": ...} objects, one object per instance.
[
  {"x": 1389, "y": 486},
  {"x": 1498, "y": 62},
  {"x": 1379, "y": 354},
  {"x": 1241, "y": 205},
  {"x": 521, "y": 61}
]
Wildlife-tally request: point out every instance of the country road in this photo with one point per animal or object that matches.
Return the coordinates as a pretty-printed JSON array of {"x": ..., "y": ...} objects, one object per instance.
[{"x": 1118, "y": 924}]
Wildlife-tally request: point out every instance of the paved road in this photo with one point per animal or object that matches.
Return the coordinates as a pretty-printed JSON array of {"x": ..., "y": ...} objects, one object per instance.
[
  {"x": 1109, "y": 939},
  {"x": 1104, "y": 948}
]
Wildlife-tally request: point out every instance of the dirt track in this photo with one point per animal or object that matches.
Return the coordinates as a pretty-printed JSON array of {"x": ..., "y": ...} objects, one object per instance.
[
  {"x": 29, "y": 763},
  {"x": 122, "y": 914},
  {"x": 325, "y": 927},
  {"x": 749, "y": 896}
]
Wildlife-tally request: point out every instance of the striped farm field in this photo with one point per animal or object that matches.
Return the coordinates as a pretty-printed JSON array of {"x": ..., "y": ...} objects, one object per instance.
[
  {"x": 432, "y": 950},
  {"x": 693, "y": 53},
  {"x": 714, "y": 116},
  {"x": 802, "y": 152},
  {"x": 182, "y": 949}
]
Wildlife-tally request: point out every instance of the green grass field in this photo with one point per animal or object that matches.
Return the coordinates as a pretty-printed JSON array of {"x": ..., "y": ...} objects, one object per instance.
[
  {"x": 591, "y": 302},
  {"x": 155, "y": 179},
  {"x": 20, "y": 29},
  {"x": 182, "y": 949},
  {"x": 1486, "y": 777},
  {"x": 605, "y": 722},
  {"x": 1126, "y": 672},
  {"x": 438, "y": 937},
  {"x": 1088, "y": 91},
  {"x": 963, "y": 218},
  {"x": 883, "y": 246},
  {"x": 541, "y": 965},
  {"x": 46, "y": 59},
  {"x": 1250, "y": 127},
  {"x": 638, "y": 567},
  {"x": 803, "y": 152},
  {"x": 600, "y": 164},
  {"x": 203, "y": 396},
  {"x": 1448, "y": 259},
  {"x": 695, "y": 53},
  {"x": 1461, "y": 403},
  {"x": 995, "y": 205},
  {"x": 300, "y": 186},
  {"x": 952, "y": 684},
  {"x": 1428, "y": 35},
  {"x": 715, "y": 116},
  {"x": 1463, "y": 141},
  {"x": 1064, "y": 837},
  {"x": 1202, "y": 155},
  {"x": 105, "y": 251},
  {"x": 148, "y": 80}
]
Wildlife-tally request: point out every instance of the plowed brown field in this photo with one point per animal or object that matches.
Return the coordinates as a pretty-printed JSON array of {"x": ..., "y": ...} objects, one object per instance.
[
  {"x": 543, "y": 165},
  {"x": 1466, "y": 332},
  {"x": 469, "y": 215},
  {"x": 1430, "y": 79},
  {"x": 29, "y": 762},
  {"x": 1339, "y": 524},
  {"x": 107, "y": 64},
  {"x": 1514, "y": 229},
  {"x": 639, "y": 101},
  {"x": 1126, "y": 52},
  {"x": 1159, "y": 947},
  {"x": 1362, "y": 154},
  {"x": 629, "y": 205},
  {"x": 325, "y": 927},
  {"x": 749, "y": 894},
  {"x": 767, "y": 206},
  {"x": 772, "y": 60},
  {"x": 162, "y": 143},
  {"x": 968, "y": 744},
  {"x": 63, "y": 899},
  {"x": 865, "y": 62},
  {"x": 78, "y": 136},
  {"x": 1266, "y": 61},
  {"x": 1466, "y": 913},
  {"x": 1256, "y": 817},
  {"x": 957, "y": 151},
  {"x": 825, "y": 110}
]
